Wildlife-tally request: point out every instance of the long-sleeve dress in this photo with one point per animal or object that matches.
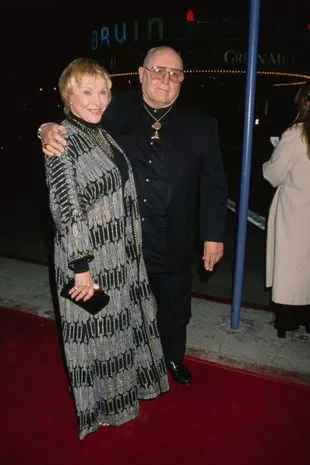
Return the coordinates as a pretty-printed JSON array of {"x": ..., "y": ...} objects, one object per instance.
[{"x": 115, "y": 357}]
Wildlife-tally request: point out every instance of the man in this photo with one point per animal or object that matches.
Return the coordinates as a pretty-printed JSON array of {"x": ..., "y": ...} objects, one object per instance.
[{"x": 176, "y": 160}]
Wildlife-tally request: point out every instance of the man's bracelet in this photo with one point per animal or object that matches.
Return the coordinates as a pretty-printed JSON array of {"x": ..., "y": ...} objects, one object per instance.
[{"x": 40, "y": 130}]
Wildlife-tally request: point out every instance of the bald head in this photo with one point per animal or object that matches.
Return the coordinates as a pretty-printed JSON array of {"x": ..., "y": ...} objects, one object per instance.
[{"x": 163, "y": 52}]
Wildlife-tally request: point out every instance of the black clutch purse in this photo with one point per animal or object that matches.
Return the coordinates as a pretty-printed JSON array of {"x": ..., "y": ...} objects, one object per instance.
[{"x": 93, "y": 305}]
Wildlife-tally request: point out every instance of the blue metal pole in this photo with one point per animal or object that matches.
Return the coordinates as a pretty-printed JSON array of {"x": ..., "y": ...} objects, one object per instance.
[{"x": 246, "y": 162}]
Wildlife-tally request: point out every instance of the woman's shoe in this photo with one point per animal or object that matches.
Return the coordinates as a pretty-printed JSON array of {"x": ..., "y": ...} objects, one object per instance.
[{"x": 281, "y": 333}]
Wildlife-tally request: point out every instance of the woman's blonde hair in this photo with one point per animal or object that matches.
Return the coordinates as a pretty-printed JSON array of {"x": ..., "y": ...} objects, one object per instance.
[{"x": 74, "y": 71}]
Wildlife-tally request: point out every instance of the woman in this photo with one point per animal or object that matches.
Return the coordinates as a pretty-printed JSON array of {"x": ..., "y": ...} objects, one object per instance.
[
  {"x": 288, "y": 238},
  {"x": 114, "y": 357}
]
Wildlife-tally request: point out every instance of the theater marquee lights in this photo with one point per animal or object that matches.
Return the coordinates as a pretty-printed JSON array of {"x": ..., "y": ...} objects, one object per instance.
[{"x": 232, "y": 72}]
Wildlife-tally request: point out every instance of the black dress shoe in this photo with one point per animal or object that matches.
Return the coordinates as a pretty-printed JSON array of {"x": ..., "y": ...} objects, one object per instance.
[{"x": 179, "y": 373}]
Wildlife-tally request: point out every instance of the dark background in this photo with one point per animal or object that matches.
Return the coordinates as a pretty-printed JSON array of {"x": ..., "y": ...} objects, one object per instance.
[{"x": 38, "y": 39}]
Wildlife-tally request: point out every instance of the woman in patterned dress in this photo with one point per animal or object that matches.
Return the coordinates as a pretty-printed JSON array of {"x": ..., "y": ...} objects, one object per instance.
[{"x": 113, "y": 358}]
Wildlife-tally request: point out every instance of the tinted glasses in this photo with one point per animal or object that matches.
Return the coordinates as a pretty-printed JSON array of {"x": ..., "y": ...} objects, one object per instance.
[{"x": 159, "y": 72}]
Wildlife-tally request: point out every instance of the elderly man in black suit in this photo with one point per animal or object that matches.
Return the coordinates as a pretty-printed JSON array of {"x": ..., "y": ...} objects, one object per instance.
[{"x": 175, "y": 155}]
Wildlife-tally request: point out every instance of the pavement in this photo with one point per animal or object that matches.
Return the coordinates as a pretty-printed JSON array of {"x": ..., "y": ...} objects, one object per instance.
[{"x": 254, "y": 345}]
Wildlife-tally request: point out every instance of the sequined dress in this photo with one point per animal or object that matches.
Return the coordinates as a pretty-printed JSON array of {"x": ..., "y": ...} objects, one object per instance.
[{"x": 115, "y": 357}]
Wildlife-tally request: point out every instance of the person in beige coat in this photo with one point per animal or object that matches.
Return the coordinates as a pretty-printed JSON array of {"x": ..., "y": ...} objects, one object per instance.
[{"x": 288, "y": 227}]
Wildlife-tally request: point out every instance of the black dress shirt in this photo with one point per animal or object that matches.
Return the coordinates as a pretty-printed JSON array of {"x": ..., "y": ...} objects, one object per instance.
[{"x": 151, "y": 168}]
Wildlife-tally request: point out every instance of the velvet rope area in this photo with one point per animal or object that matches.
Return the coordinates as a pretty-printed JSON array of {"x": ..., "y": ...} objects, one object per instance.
[{"x": 225, "y": 417}]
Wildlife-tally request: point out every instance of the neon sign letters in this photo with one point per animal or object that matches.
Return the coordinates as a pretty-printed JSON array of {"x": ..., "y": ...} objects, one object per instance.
[{"x": 120, "y": 33}]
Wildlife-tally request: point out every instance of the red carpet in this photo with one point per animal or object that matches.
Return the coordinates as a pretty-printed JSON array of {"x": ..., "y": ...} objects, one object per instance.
[{"x": 226, "y": 417}]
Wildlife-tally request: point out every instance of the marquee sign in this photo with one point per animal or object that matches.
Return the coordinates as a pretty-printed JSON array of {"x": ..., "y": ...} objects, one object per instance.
[
  {"x": 121, "y": 33},
  {"x": 152, "y": 29}
]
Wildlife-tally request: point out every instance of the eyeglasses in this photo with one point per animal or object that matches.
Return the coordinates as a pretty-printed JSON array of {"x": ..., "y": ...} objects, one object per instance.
[{"x": 159, "y": 72}]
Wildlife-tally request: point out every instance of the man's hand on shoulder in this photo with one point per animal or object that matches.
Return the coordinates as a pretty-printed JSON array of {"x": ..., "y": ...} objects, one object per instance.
[{"x": 52, "y": 141}]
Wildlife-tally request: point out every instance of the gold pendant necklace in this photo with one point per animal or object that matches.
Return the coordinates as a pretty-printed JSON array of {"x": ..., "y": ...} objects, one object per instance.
[{"x": 157, "y": 125}]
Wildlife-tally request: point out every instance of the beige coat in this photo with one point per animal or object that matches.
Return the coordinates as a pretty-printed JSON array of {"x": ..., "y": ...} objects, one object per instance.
[{"x": 288, "y": 229}]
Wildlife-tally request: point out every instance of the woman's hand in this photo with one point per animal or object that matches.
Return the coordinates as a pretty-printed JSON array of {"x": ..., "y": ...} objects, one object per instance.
[{"x": 84, "y": 286}]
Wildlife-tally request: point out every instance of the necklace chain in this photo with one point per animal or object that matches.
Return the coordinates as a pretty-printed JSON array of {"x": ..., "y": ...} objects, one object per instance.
[{"x": 157, "y": 125}]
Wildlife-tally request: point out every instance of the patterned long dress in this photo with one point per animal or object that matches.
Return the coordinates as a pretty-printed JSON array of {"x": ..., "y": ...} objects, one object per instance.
[{"x": 115, "y": 357}]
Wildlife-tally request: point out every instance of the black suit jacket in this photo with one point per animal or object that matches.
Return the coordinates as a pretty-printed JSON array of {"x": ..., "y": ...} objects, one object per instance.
[{"x": 197, "y": 182}]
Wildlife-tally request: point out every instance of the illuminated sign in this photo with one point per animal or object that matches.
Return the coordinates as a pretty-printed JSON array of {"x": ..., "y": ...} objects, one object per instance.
[
  {"x": 121, "y": 33},
  {"x": 234, "y": 57},
  {"x": 152, "y": 29},
  {"x": 190, "y": 17}
]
